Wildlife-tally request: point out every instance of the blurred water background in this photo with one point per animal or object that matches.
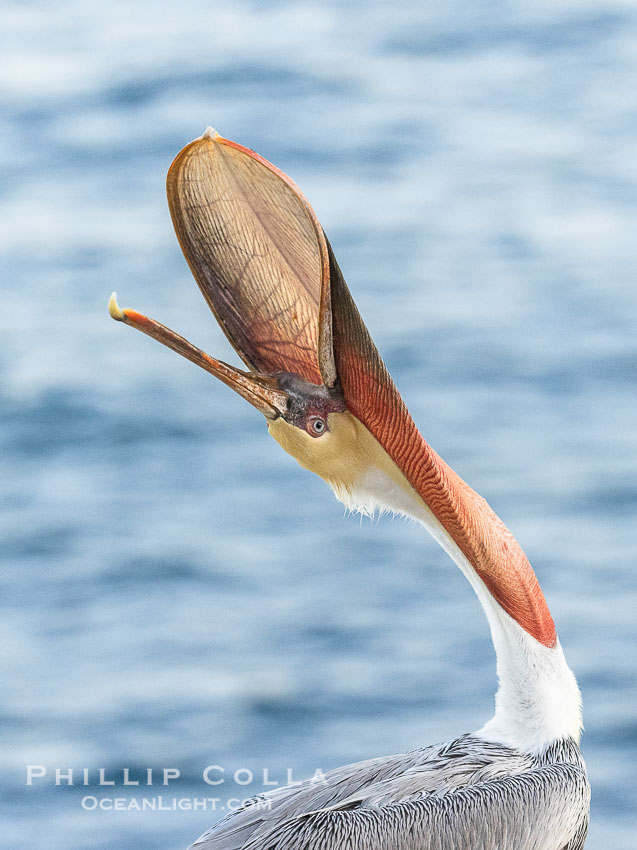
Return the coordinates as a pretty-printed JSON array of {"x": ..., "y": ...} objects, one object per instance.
[{"x": 175, "y": 591}]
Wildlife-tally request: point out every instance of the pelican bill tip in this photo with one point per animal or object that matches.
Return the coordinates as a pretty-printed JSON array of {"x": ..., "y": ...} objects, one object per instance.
[
  {"x": 210, "y": 133},
  {"x": 114, "y": 309}
]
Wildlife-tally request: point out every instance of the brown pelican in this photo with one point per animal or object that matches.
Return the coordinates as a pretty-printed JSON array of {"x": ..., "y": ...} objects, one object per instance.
[{"x": 268, "y": 273}]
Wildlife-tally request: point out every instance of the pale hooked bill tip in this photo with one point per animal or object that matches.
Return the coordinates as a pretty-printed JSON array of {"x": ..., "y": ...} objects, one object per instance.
[
  {"x": 209, "y": 133},
  {"x": 114, "y": 308}
]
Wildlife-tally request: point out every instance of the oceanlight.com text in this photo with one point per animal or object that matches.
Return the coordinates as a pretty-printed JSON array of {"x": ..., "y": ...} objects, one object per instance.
[{"x": 161, "y": 803}]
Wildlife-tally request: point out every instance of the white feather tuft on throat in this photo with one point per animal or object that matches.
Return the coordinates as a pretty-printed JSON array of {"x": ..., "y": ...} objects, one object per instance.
[{"x": 538, "y": 700}]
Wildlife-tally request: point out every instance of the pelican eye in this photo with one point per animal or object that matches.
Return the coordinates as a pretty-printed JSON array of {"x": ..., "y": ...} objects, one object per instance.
[{"x": 317, "y": 426}]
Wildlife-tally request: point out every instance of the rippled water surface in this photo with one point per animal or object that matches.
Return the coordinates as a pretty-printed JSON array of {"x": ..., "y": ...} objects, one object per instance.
[{"x": 176, "y": 592}]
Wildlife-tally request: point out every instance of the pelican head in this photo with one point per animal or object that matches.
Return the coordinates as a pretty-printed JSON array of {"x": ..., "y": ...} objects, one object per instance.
[{"x": 268, "y": 273}]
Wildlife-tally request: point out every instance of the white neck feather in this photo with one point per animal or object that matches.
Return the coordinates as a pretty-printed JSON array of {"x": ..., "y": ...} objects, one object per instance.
[{"x": 538, "y": 700}]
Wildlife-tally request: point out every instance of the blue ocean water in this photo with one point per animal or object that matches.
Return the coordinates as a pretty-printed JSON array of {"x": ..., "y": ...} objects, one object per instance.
[{"x": 176, "y": 593}]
